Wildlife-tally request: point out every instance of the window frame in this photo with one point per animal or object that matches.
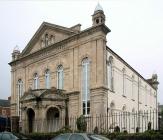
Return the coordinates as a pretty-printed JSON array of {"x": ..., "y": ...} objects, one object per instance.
[
  {"x": 110, "y": 73},
  {"x": 47, "y": 79},
  {"x": 85, "y": 87},
  {"x": 36, "y": 81},
  {"x": 19, "y": 95},
  {"x": 60, "y": 77}
]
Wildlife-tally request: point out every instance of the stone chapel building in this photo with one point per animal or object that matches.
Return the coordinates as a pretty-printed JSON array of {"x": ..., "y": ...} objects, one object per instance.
[{"x": 64, "y": 72}]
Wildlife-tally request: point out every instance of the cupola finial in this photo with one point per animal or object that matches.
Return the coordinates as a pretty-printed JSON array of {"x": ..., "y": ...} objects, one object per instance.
[
  {"x": 98, "y": 16},
  {"x": 98, "y": 8}
]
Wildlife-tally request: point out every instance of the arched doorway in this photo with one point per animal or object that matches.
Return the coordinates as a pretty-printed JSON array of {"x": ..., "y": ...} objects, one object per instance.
[
  {"x": 31, "y": 117},
  {"x": 53, "y": 122}
]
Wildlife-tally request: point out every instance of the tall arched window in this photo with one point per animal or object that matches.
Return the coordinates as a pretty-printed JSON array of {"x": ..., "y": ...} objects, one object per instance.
[
  {"x": 133, "y": 96},
  {"x": 35, "y": 81},
  {"x": 145, "y": 97},
  {"x": 60, "y": 77},
  {"x": 19, "y": 95},
  {"x": 110, "y": 73},
  {"x": 52, "y": 39},
  {"x": 47, "y": 79},
  {"x": 124, "y": 82},
  {"x": 140, "y": 91},
  {"x": 86, "y": 86}
]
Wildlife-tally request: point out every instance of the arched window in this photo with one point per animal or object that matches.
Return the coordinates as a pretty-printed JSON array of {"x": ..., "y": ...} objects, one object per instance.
[
  {"x": 60, "y": 77},
  {"x": 35, "y": 81},
  {"x": 145, "y": 97},
  {"x": 46, "y": 40},
  {"x": 20, "y": 93},
  {"x": 42, "y": 43},
  {"x": 47, "y": 79},
  {"x": 133, "y": 96},
  {"x": 52, "y": 39},
  {"x": 110, "y": 73},
  {"x": 140, "y": 91},
  {"x": 20, "y": 87},
  {"x": 124, "y": 82},
  {"x": 150, "y": 97},
  {"x": 86, "y": 86}
]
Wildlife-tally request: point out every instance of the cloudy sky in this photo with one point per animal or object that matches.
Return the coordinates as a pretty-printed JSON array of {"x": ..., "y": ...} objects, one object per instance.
[{"x": 136, "y": 30}]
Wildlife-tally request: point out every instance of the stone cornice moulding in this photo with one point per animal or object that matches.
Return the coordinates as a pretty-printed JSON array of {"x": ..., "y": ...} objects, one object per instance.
[
  {"x": 103, "y": 88},
  {"x": 62, "y": 43},
  {"x": 128, "y": 66}
]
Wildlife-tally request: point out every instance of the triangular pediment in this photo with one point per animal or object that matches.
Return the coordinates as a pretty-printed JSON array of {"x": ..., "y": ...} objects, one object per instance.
[
  {"x": 53, "y": 95},
  {"x": 44, "y": 94},
  {"x": 54, "y": 32},
  {"x": 28, "y": 97}
]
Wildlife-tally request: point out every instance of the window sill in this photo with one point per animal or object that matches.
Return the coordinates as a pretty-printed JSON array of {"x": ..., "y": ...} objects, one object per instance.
[
  {"x": 124, "y": 96},
  {"x": 132, "y": 99},
  {"x": 111, "y": 90},
  {"x": 87, "y": 116}
]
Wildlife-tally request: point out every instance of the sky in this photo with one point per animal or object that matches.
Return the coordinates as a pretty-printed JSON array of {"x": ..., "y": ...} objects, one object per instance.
[{"x": 136, "y": 30}]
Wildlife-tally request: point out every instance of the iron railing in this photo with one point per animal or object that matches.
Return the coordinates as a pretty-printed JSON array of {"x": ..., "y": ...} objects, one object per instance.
[{"x": 110, "y": 122}]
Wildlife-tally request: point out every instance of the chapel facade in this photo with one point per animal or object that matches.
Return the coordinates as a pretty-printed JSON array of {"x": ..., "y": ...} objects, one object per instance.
[{"x": 64, "y": 72}]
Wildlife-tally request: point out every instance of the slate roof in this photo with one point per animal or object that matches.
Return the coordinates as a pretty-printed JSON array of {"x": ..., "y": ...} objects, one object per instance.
[{"x": 4, "y": 103}]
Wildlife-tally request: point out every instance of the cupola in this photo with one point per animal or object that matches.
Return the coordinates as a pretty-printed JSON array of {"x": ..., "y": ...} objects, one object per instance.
[
  {"x": 98, "y": 16},
  {"x": 16, "y": 53}
]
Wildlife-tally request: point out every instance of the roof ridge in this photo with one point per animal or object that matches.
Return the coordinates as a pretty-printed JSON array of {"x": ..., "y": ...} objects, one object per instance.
[{"x": 52, "y": 24}]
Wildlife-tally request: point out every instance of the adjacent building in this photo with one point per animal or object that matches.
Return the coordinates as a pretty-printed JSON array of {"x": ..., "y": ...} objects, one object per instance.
[
  {"x": 4, "y": 108},
  {"x": 65, "y": 72}
]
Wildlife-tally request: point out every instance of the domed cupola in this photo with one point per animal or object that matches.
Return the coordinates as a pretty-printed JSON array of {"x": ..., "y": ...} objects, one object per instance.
[
  {"x": 98, "y": 17},
  {"x": 16, "y": 53}
]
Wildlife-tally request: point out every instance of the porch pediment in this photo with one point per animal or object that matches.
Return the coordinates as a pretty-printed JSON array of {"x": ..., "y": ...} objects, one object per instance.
[
  {"x": 44, "y": 94},
  {"x": 28, "y": 97},
  {"x": 53, "y": 97}
]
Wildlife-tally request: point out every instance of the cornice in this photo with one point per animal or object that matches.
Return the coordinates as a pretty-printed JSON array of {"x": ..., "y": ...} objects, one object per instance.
[
  {"x": 129, "y": 66},
  {"x": 61, "y": 44},
  {"x": 73, "y": 93},
  {"x": 103, "y": 88}
]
